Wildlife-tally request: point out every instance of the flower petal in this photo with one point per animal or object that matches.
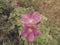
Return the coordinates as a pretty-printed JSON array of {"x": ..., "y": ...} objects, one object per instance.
[
  {"x": 36, "y": 31},
  {"x": 36, "y": 17},
  {"x": 24, "y": 32},
  {"x": 30, "y": 37},
  {"x": 25, "y": 18}
]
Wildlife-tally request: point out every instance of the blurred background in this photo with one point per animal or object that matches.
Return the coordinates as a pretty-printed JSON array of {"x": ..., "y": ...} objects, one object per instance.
[{"x": 10, "y": 24}]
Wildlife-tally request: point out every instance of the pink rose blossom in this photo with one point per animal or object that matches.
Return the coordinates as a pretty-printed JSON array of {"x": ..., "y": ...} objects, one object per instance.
[
  {"x": 30, "y": 19},
  {"x": 29, "y": 33}
]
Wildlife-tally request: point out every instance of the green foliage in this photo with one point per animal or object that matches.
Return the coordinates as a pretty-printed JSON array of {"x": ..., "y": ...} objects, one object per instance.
[{"x": 10, "y": 25}]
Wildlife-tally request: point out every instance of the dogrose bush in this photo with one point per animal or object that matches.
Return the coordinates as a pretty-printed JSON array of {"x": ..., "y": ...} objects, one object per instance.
[{"x": 10, "y": 24}]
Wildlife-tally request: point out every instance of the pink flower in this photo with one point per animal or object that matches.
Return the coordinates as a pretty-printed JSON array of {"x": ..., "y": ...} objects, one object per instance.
[
  {"x": 17, "y": 3},
  {"x": 30, "y": 19},
  {"x": 29, "y": 33}
]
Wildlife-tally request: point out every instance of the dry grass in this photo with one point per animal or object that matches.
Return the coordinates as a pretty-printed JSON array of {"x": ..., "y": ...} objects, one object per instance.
[{"x": 51, "y": 9}]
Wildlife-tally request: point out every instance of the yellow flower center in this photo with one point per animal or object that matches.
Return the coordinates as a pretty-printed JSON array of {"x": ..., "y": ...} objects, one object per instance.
[
  {"x": 30, "y": 21},
  {"x": 30, "y": 30}
]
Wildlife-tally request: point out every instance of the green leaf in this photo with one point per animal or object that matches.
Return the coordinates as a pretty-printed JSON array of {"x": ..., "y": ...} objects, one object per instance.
[{"x": 44, "y": 18}]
